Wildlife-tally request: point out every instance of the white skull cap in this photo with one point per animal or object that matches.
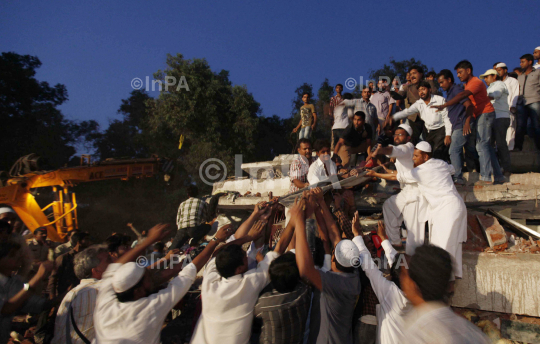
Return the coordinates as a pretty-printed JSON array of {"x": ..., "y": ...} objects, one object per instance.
[{"x": 424, "y": 146}]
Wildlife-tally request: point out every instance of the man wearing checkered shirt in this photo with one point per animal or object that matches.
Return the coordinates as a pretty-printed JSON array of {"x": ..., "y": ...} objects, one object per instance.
[{"x": 191, "y": 219}]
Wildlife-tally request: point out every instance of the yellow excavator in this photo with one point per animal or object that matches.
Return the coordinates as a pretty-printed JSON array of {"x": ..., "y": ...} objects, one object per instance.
[{"x": 17, "y": 189}]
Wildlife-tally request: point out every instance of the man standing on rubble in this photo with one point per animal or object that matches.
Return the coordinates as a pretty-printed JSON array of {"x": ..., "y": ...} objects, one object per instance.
[
  {"x": 408, "y": 205},
  {"x": 447, "y": 212}
]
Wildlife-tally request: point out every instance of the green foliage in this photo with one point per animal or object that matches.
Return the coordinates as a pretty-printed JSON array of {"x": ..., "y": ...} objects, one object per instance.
[
  {"x": 126, "y": 138},
  {"x": 216, "y": 118},
  {"x": 397, "y": 69},
  {"x": 29, "y": 117}
]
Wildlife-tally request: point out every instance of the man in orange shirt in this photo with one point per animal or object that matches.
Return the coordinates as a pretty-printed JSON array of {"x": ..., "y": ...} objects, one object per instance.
[{"x": 484, "y": 113}]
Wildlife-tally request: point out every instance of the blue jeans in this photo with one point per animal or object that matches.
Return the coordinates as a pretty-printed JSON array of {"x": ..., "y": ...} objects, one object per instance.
[
  {"x": 528, "y": 112},
  {"x": 489, "y": 163},
  {"x": 305, "y": 133},
  {"x": 456, "y": 151}
]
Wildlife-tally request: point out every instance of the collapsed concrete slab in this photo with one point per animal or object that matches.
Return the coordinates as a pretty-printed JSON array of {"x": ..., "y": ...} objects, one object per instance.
[{"x": 499, "y": 283}]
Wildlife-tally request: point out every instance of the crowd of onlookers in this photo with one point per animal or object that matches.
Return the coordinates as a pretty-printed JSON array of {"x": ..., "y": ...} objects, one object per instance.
[
  {"x": 477, "y": 122},
  {"x": 315, "y": 278}
]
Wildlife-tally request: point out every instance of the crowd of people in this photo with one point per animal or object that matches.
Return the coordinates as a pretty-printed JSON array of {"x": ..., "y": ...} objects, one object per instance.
[
  {"x": 321, "y": 277},
  {"x": 475, "y": 125}
]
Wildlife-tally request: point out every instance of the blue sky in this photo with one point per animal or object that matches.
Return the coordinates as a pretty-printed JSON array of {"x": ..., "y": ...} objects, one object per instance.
[{"x": 96, "y": 48}]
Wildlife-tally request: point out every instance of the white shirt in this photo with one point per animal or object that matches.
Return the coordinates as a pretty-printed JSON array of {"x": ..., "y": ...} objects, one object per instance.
[
  {"x": 499, "y": 91},
  {"x": 513, "y": 90},
  {"x": 83, "y": 301},
  {"x": 228, "y": 303},
  {"x": 394, "y": 304},
  {"x": 137, "y": 321},
  {"x": 341, "y": 116},
  {"x": 537, "y": 65},
  {"x": 434, "y": 322},
  {"x": 317, "y": 172},
  {"x": 432, "y": 118}
]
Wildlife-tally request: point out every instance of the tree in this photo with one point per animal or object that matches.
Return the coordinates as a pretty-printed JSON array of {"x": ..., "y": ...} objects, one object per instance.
[
  {"x": 30, "y": 119},
  {"x": 217, "y": 119},
  {"x": 127, "y": 138},
  {"x": 396, "y": 68}
]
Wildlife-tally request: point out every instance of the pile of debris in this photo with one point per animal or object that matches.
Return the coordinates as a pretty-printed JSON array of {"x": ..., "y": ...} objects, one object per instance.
[{"x": 517, "y": 238}]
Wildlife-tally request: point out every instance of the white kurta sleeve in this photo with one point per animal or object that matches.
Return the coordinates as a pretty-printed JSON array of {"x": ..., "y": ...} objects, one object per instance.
[
  {"x": 402, "y": 152},
  {"x": 385, "y": 290},
  {"x": 407, "y": 176},
  {"x": 165, "y": 299},
  {"x": 407, "y": 112},
  {"x": 389, "y": 251}
]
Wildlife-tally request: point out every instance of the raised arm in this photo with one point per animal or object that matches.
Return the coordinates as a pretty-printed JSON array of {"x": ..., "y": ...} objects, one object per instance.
[
  {"x": 259, "y": 210},
  {"x": 304, "y": 259},
  {"x": 333, "y": 230},
  {"x": 157, "y": 233},
  {"x": 406, "y": 113}
]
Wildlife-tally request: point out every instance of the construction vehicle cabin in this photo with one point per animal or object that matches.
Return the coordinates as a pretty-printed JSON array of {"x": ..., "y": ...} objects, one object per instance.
[{"x": 17, "y": 188}]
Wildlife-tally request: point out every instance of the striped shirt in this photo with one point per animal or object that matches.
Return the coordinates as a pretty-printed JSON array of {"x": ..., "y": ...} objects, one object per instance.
[
  {"x": 298, "y": 170},
  {"x": 191, "y": 213},
  {"x": 83, "y": 301},
  {"x": 283, "y": 315}
]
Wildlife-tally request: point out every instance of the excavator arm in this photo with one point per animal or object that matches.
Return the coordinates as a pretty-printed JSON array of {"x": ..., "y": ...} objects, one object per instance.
[{"x": 17, "y": 192}]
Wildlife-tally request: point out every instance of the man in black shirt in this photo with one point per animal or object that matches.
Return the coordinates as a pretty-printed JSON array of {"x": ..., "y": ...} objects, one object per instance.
[{"x": 355, "y": 139}]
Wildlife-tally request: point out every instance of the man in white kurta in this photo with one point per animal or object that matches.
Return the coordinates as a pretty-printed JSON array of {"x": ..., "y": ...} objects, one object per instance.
[
  {"x": 393, "y": 305},
  {"x": 409, "y": 205},
  {"x": 447, "y": 214}
]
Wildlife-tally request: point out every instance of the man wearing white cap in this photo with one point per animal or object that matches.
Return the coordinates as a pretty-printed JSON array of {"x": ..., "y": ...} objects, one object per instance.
[
  {"x": 447, "y": 214},
  {"x": 336, "y": 290},
  {"x": 408, "y": 205},
  {"x": 536, "y": 55},
  {"x": 127, "y": 308},
  {"x": 513, "y": 92}
]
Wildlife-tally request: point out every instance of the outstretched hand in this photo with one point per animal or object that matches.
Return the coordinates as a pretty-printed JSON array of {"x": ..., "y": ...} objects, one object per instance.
[
  {"x": 224, "y": 233},
  {"x": 297, "y": 209},
  {"x": 438, "y": 107},
  {"x": 257, "y": 230},
  {"x": 371, "y": 173},
  {"x": 319, "y": 196}
]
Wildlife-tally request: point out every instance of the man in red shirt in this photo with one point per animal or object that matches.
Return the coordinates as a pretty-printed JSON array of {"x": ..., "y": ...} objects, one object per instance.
[{"x": 484, "y": 113}]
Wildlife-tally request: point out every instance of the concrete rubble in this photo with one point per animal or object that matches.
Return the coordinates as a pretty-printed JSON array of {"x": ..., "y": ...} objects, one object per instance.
[{"x": 501, "y": 266}]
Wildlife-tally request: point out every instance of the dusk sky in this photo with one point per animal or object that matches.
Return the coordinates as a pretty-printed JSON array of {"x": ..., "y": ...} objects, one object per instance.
[{"x": 96, "y": 48}]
